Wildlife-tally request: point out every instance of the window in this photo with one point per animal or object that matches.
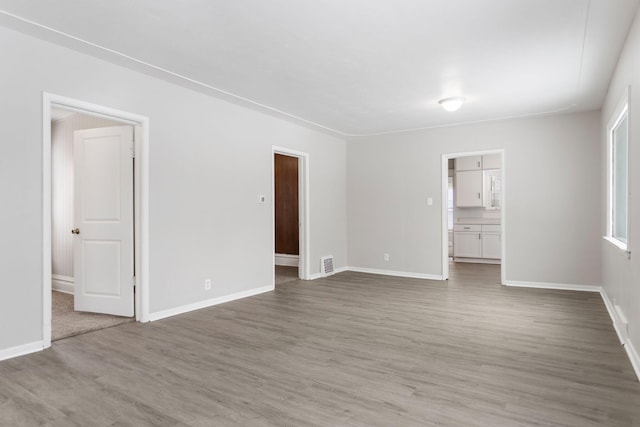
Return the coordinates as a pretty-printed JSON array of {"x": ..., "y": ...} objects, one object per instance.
[{"x": 618, "y": 143}]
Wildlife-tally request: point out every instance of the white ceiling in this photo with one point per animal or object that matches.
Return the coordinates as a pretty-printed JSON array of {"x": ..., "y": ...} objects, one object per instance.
[{"x": 358, "y": 67}]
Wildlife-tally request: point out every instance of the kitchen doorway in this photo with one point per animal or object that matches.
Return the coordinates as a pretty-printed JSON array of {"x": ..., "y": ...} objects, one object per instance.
[{"x": 473, "y": 200}]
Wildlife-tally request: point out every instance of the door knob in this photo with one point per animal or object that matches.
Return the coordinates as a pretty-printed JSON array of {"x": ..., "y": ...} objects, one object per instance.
[{"x": 75, "y": 231}]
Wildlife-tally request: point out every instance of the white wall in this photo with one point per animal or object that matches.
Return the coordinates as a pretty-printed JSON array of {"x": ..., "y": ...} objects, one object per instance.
[
  {"x": 552, "y": 205},
  {"x": 62, "y": 187},
  {"x": 621, "y": 277},
  {"x": 209, "y": 161}
]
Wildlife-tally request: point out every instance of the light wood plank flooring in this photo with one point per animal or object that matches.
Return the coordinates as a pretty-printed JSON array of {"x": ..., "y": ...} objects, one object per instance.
[{"x": 351, "y": 349}]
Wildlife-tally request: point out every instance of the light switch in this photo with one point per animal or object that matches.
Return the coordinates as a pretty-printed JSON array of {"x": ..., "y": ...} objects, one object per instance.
[{"x": 429, "y": 201}]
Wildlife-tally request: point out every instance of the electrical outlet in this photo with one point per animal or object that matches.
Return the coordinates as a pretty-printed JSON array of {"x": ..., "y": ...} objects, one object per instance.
[
  {"x": 207, "y": 284},
  {"x": 386, "y": 257}
]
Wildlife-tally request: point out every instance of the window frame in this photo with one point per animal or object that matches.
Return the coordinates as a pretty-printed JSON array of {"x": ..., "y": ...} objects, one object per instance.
[{"x": 619, "y": 114}]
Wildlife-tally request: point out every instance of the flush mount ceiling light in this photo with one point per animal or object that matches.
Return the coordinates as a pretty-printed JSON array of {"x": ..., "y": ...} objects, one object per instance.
[{"x": 452, "y": 103}]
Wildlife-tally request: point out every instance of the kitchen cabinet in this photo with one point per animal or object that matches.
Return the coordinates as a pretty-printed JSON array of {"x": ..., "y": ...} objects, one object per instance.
[
  {"x": 477, "y": 243},
  {"x": 466, "y": 241},
  {"x": 478, "y": 182},
  {"x": 469, "y": 163},
  {"x": 469, "y": 189},
  {"x": 492, "y": 161},
  {"x": 491, "y": 242}
]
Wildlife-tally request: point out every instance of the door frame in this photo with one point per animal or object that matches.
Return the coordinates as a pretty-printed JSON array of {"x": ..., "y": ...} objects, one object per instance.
[
  {"x": 503, "y": 211},
  {"x": 140, "y": 206},
  {"x": 303, "y": 209}
]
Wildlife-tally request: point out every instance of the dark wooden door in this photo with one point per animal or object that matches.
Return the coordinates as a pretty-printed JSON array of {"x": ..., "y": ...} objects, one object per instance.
[{"x": 286, "y": 204}]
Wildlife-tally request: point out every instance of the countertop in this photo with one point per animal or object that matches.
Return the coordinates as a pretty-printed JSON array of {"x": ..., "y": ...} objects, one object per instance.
[{"x": 495, "y": 221}]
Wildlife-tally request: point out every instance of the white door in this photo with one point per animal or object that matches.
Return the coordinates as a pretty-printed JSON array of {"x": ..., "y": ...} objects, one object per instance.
[{"x": 103, "y": 217}]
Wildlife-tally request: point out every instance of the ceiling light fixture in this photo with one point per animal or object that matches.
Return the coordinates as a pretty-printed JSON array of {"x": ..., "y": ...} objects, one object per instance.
[{"x": 452, "y": 103}]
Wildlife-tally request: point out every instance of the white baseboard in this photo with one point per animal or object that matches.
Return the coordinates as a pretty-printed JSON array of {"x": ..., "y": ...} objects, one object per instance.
[
  {"x": 286, "y": 260},
  {"x": 477, "y": 260},
  {"x": 619, "y": 324},
  {"x": 557, "y": 286},
  {"x": 612, "y": 314},
  {"x": 208, "y": 303},
  {"x": 320, "y": 275},
  {"x": 396, "y": 273},
  {"x": 632, "y": 354},
  {"x": 62, "y": 283},
  {"x": 21, "y": 350}
]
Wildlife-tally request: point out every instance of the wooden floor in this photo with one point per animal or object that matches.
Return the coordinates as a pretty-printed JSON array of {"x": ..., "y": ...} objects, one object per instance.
[{"x": 351, "y": 349}]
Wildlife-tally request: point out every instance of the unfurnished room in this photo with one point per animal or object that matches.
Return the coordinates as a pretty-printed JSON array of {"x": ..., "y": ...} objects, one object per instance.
[{"x": 329, "y": 213}]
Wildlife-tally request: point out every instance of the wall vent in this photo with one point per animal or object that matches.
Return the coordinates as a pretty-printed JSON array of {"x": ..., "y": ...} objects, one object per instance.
[{"x": 326, "y": 265}]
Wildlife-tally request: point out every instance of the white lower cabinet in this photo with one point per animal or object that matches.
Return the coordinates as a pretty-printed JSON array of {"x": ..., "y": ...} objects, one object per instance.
[
  {"x": 491, "y": 247},
  {"x": 477, "y": 241},
  {"x": 466, "y": 241}
]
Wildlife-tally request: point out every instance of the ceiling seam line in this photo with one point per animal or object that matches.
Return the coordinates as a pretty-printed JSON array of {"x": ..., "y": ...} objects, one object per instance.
[{"x": 584, "y": 42}]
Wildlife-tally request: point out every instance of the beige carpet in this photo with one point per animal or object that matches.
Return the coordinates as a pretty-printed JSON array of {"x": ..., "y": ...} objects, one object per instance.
[
  {"x": 66, "y": 322},
  {"x": 286, "y": 274}
]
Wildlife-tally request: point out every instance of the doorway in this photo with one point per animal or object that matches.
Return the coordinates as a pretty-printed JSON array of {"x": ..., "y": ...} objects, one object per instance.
[
  {"x": 290, "y": 210},
  {"x": 90, "y": 242},
  {"x": 473, "y": 200},
  {"x": 102, "y": 258}
]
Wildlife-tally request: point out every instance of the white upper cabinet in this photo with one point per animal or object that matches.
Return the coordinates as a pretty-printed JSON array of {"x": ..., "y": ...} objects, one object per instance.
[
  {"x": 469, "y": 189},
  {"x": 491, "y": 161},
  {"x": 469, "y": 163}
]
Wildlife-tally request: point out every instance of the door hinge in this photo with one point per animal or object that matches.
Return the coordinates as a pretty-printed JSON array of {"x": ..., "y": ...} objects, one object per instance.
[
  {"x": 134, "y": 282},
  {"x": 133, "y": 149}
]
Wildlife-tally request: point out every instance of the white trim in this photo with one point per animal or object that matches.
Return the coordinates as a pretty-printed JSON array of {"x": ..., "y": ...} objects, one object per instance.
[
  {"x": 444, "y": 226},
  {"x": 617, "y": 243},
  {"x": 622, "y": 109},
  {"x": 304, "y": 242},
  {"x": 21, "y": 350},
  {"x": 612, "y": 314},
  {"x": 396, "y": 273},
  {"x": 141, "y": 173},
  {"x": 556, "y": 286},
  {"x": 208, "y": 303},
  {"x": 336, "y": 271},
  {"x": 477, "y": 260},
  {"x": 287, "y": 260},
  {"x": 621, "y": 330},
  {"x": 632, "y": 354},
  {"x": 618, "y": 323},
  {"x": 444, "y": 210},
  {"x": 62, "y": 283},
  {"x": 46, "y": 220}
]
